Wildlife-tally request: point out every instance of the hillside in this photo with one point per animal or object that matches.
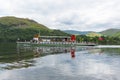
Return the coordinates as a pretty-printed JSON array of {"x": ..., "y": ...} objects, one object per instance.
[
  {"x": 93, "y": 34},
  {"x": 117, "y": 34},
  {"x": 12, "y": 28},
  {"x": 110, "y": 32},
  {"x": 77, "y": 32}
]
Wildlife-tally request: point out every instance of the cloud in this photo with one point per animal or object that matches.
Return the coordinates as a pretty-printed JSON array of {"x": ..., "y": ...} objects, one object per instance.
[{"x": 66, "y": 14}]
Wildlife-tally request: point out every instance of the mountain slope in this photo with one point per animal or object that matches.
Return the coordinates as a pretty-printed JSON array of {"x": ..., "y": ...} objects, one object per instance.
[
  {"x": 20, "y": 23},
  {"x": 117, "y": 34},
  {"x": 12, "y": 28},
  {"x": 93, "y": 34},
  {"x": 110, "y": 32},
  {"x": 77, "y": 32}
]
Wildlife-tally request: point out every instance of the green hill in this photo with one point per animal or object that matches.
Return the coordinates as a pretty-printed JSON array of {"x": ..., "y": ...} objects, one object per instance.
[
  {"x": 110, "y": 32},
  {"x": 77, "y": 32},
  {"x": 117, "y": 34},
  {"x": 12, "y": 28},
  {"x": 13, "y": 22},
  {"x": 93, "y": 34}
]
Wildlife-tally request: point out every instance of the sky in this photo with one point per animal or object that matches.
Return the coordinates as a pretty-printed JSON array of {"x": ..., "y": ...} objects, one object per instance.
[{"x": 80, "y": 15}]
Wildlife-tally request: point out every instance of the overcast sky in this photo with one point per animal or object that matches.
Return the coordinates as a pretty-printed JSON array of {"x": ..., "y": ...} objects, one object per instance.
[{"x": 81, "y": 15}]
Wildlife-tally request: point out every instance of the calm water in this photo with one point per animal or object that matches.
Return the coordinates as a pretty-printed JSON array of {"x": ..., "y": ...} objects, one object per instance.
[{"x": 18, "y": 62}]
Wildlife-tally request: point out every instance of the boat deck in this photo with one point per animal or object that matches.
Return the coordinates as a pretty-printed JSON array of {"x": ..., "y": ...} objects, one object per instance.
[{"x": 53, "y": 44}]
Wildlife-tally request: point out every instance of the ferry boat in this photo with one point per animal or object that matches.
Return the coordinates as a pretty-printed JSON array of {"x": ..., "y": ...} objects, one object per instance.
[{"x": 53, "y": 41}]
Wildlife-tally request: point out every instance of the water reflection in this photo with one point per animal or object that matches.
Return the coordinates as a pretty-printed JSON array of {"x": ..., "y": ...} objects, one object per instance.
[
  {"x": 72, "y": 51},
  {"x": 25, "y": 55},
  {"x": 56, "y": 63}
]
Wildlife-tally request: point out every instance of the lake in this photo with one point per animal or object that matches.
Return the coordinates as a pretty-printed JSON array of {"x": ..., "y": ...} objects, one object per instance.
[{"x": 24, "y": 62}]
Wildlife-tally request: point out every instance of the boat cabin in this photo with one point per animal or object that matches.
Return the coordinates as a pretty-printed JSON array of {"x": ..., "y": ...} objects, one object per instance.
[{"x": 54, "y": 38}]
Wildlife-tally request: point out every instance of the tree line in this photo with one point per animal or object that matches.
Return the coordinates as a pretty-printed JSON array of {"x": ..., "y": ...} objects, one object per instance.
[
  {"x": 103, "y": 40},
  {"x": 12, "y": 34}
]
